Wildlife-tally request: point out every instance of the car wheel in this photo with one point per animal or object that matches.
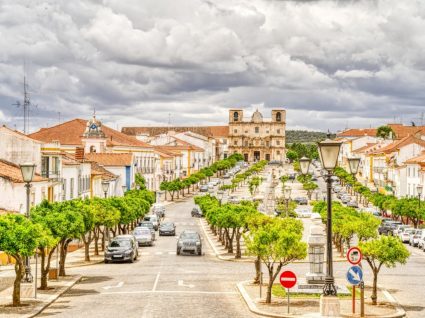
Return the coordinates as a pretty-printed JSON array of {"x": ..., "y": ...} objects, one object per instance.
[
  {"x": 131, "y": 260},
  {"x": 135, "y": 257},
  {"x": 106, "y": 261},
  {"x": 200, "y": 252}
]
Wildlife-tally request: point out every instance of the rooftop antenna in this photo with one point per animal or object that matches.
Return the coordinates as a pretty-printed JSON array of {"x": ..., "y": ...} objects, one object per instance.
[{"x": 25, "y": 105}]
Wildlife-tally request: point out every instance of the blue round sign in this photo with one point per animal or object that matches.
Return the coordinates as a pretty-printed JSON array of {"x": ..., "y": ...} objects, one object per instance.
[{"x": 354, "y": 275}]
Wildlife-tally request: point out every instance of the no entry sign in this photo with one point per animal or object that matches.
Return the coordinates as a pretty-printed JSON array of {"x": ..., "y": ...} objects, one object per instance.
[
  {"x": 354, "y": 255},
  {"x": 288, "y": 279}
]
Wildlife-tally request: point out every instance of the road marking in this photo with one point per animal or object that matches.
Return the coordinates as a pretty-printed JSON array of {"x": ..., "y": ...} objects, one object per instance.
[
  {"x": 158, "y": 253},
  {"x": 181, "y": 283},
  {"x": 156, "y": 281},
  {"x": 172, "y": 253},
  {"x": 119, "y": 285},
  {"x": 170, "y": 292},
  {"x": 389, "y": 296}
]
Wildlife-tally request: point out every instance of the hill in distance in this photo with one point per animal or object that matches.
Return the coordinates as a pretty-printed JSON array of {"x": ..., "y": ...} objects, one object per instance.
[{"x": 304, "y": 136}]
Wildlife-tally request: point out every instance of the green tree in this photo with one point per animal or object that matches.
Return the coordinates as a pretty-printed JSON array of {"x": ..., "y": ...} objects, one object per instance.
[
  {"x": 18, "y": 238},
  {"x": 384, "y": 132},
  {"x": 140, "y": 181},
  {"x": 310, "y": 187},
  {"x": 291, "y": 155},
  {"x": 385, "y": 250},
  {"x": 277, "y": 244}
]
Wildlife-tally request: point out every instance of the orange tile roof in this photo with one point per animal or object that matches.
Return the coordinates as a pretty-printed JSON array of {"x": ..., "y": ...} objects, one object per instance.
[
  {"x": 98, "y": 170},
  {"x": 207, "y": 131},
  {"x": 12, "y": 172},
  {"x": 364, "y": 148},
  {"x": 168, "y": 150},
  {"x": 401, "y": 143},
  {"x": 111, "y": 159},
  {"x": 417, "y": 159},
  {"x": 353, "y": 132},
  {"x": 402, "y": 131},
  {"x": 71, "y": 133}
]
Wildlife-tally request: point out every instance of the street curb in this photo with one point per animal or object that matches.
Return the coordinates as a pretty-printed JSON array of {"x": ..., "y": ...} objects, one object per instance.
[
  {"x": 53, "y": 298},
  {"x": 254, "y": 309},
  {"x": 83, "y": 265}
]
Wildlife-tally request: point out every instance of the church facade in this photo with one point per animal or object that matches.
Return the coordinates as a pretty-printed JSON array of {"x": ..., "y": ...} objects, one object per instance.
[{"x": 258, "y": 138}]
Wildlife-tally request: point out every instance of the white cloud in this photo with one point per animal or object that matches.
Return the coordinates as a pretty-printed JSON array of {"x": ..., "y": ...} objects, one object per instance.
[{"x": 342, "y": 63}]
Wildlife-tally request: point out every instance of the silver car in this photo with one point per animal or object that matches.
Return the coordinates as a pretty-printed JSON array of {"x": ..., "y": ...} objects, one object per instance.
[
  {"x": 154, "y": 219},
  {"x": 143, "y": 236},
  {"x": 415, "y": 236},
  {"x": 189, "y": 242}
]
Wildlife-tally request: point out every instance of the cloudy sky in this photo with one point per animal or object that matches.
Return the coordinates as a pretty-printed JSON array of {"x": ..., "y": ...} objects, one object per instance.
[{"x": 331, "y": 64}]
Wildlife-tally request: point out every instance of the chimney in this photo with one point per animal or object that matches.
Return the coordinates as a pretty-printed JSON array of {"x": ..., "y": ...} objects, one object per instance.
[{"x": 79, "y": 153}]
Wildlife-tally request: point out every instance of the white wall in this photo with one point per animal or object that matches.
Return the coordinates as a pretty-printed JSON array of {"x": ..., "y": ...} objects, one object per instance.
[
  {"x": 19, "y": 149},
  {"x": 13, "y": 195}
]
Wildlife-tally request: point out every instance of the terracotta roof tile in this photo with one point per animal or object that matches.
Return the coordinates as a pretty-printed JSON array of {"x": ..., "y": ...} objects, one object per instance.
[
  {"x": 207, "y": 131},
  {"x": 111, "y": 159},
  {"x": 401, "y": 143},
  {"x": 98, "y": 170},
  {"x": 353, "y": 132},
  {"x": 364, "y": 148},
  {"x": 12, "y": 172},
  {"x": 71, "y": 133}
]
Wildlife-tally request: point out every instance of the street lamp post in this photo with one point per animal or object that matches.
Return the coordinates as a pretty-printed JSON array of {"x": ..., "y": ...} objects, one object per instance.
[
  {"x": 27, "y": 170},
  {"x": 105, "y": 188},
  {"x": 287, "y": 197},
  {"x": 328, "y": 153}
]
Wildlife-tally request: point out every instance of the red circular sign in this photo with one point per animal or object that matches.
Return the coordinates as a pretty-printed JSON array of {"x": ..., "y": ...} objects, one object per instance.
[
  {"x": 354, "y": 256},
  {"x": 288, "y": 279}
]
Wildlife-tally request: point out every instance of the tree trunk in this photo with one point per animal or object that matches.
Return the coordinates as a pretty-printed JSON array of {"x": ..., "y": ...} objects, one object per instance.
[
  {"x": 374, "y": 296},
  {"x": 62, "y": 256},
  {"x": 257, "y": 264},
  {"x": 17, "y": 283},
  {"x": 87, "y": 240},
  {"x": 269, "y": 287},
  {"x": 45, "y": 266},
  {"x": 238, "y": 245},
  {"x": 230, "y": 239},
  {"x": 96, "y": 240}
]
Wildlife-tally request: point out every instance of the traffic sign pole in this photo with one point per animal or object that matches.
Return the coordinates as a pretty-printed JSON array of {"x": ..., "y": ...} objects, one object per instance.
[
  {"x": 353, "y": 304},
  {"x": 288, "y": 280},
  {"x": 288, "y": 298}
]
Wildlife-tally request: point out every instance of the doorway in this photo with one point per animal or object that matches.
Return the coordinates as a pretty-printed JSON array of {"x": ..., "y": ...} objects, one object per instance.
[
  {"x": 245, "y": 157},
  {"x": 256, "y": 156},
  {"x": 267, "y": 156}
]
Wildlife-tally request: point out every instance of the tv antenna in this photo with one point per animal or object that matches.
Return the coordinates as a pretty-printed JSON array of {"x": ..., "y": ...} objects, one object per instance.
[{"x": 26, "y": 105}]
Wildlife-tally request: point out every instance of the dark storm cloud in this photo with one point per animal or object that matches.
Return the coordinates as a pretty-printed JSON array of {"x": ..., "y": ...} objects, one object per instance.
[{"x": 331, "y": 64}]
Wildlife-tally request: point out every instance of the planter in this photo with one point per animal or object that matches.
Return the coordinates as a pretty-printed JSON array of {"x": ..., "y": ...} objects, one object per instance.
[{"x": 53, "y": 273}]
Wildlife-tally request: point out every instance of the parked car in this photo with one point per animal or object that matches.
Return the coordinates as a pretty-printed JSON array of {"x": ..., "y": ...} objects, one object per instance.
[
  {"x": 197, "y": 212},
  {"x": 345, "y": 199},
  {"x": 167, "y": 228},
  {"x": 353, "y": 204},
  {"x": 415, "y": 237},
  {"x": 211, "y": 185},
  {"x": 122, "y": 248},
  {"x": 301, "y": 200},
  {"x": 233, "y": 199},
  {"x": 421, "y": 243},
  {"x": 143, "y": 236},
  {"x": 203, "y": 188},
  {"x": 399, "y": 229},
  {"x": 226, "y": 176},
  {"x": 303, "y": 212},
  {"x": 149, "y": 225},
  {"x": 189, "y": 242},
  {"x": 291, "y": 176},
  {"x": 405, "y": 234},
  {"x": 158, "y": 209},
  {"x": 154, "y": 219},
  {"x": 387, "y": 227}
]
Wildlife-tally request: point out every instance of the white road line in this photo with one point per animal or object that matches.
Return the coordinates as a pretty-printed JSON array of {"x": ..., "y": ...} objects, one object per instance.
[
  {"x": 156, "y": 281},
  {"x": 389, "y": 296},
  {"x": 172, "y": 253},
  {"x": 158, "y": 253},
  {"x": 170, "y": 292}
]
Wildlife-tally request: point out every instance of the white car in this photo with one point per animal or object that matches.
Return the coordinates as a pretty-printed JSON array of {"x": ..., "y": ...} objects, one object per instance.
[
  {"x": 303, "y": 212},
  {"x": 143, "y": 236},
  {"x": 158, "y": 209},
  {"x": 421, "y": 241},
  {"x": 154, "y": 219},
  {"x": 415, "y": 237},
  {"x": 405, "y": 235}
]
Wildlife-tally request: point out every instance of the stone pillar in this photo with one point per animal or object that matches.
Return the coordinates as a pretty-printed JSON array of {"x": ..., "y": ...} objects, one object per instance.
[{"x": 316, "y": 251}]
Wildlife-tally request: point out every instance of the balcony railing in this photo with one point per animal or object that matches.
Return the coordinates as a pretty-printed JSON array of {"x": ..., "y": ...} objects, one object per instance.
[{"x": 52, "y": 175}]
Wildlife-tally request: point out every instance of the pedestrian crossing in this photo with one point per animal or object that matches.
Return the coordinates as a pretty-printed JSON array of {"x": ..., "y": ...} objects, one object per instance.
[{"x": 159, "y": 253}]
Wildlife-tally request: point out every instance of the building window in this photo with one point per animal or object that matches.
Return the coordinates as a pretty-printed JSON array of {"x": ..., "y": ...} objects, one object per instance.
[
  {"x": 267, "y": 143},
  {"x": 278, "y": 152},
  {"x": 278, "y": 142},
  {"x": 235, "y": 131},
  {"x": 278, "y": 131},
  {"x": 246, "y": 131},
  {"x": 267, "y": 131},
  {"x": 257, "y": 130},
  {"x": 278, "y": 116},
  {"x": 235, "y": 142},
  {"x": 246, "y": 143},
  {"x": 224, "y": 141},
  {"x": 235, "y": 116},
  {"x": 71, "y": 189},
  {"x": 92, "y": 149}
]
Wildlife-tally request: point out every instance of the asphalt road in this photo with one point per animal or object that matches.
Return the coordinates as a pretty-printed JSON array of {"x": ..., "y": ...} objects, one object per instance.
[{"x": 160, "y": 283}]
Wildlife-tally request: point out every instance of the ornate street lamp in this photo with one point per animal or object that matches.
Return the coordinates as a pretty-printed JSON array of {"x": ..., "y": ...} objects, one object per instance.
[
  {"x": 329, "y": 152},
  {"x": 353, "y": 164},
  {"x": 27, "y": 170},
  {"x": 304, "y": 165},
  {"x": 105, "y": 187},
  {"x": 287, "y": 196}
]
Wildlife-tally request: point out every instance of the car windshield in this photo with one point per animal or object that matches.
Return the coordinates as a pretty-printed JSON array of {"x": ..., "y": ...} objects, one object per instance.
[
  {"x": 191, "y": 236},
  {"x": 146, "y": 224},
  {"x": 142, "y": 231},
  {"x": 167, "y": 225},
  {"x": 120, "y": 243}
]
